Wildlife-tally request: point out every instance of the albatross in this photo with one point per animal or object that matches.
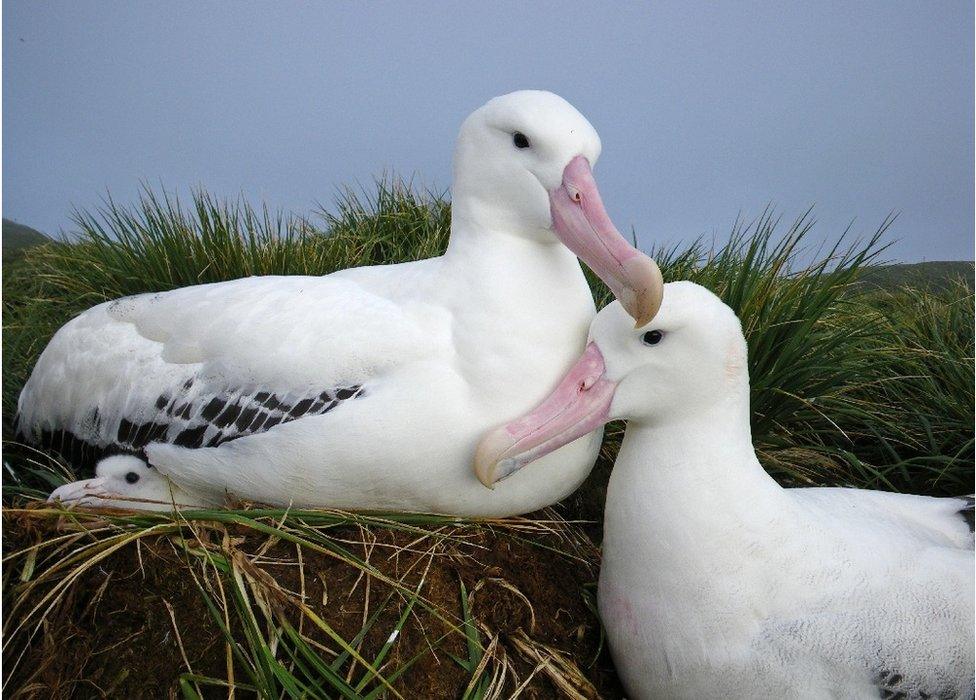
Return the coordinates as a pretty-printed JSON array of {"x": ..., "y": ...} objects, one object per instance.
[
  {"x": 367, "y": 388},
  {"x": 718, "y": 583}
]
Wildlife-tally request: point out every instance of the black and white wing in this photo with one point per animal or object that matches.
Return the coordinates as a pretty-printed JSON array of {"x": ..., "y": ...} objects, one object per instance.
[{"x": 201, "y": 366}]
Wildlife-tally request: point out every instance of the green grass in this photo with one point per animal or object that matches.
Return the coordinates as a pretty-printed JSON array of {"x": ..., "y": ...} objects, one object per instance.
[{"x": 851, "y": 385}]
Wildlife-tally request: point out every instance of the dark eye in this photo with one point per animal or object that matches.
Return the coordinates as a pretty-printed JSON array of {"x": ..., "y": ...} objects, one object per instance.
[
  {"x": 520, "y": 140},
  {"x": 132, "y": 477},
  {"x": 652, "y": 337}
]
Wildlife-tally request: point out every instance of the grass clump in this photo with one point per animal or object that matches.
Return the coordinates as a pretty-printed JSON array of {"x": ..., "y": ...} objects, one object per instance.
[
  {"x": 851, "y": 385},
  {"x": 160, "y": 244},
  {"x": 925, "y": 383}
]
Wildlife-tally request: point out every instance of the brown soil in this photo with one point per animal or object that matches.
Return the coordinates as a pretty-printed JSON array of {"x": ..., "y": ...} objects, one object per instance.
[{"x": 130, "y": 625}]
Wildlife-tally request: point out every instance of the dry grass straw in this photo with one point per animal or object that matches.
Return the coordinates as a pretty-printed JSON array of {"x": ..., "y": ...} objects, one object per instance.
[{"x": 276, "y": 640}]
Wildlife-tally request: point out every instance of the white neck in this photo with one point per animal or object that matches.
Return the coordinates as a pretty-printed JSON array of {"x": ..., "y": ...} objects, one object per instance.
[
  {"x": 533, "y": 302},
  {"x": 700, "y": 468},
  {"x": 525, "y": 263},
  {"x": 687, "y": 507}
]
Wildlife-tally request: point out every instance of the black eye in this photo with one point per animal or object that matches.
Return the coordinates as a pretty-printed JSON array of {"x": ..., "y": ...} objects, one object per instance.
[
  {"x": 520, "y": 140},
  {"x": 652, "y": 337},
  {"x": 132, "y": 477}
]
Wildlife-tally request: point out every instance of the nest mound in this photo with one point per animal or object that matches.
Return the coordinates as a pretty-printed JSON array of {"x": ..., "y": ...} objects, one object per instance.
[{"x": 303, "y": 604}]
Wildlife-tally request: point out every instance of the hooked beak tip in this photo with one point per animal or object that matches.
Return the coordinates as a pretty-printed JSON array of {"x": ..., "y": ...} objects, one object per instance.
[
  {"x": 487, "y": 456},
  {"x": 642, "y": 289},
  {"x": 485, "y": 477}
]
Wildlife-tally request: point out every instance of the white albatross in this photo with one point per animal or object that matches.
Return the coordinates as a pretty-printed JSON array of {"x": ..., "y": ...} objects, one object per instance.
[
  {"x": 718, "y": 583},
  {"x": 367, "y": 388}
]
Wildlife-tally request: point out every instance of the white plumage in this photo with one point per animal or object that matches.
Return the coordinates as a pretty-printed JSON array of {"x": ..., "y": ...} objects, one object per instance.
[
  {"x": 367, "y": 388},
  {"x": 718, "y": 583}
]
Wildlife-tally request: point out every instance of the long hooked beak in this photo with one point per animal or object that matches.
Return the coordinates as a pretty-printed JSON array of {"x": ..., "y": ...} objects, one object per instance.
[
  {"x": 579, "y": 405},
  {"x": 582, "y": 224}
]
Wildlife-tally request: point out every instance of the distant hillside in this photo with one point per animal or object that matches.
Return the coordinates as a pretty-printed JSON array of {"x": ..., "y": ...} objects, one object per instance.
[
  {"x": 931, "y": 275},
  {"x": 16, "y": 237}
]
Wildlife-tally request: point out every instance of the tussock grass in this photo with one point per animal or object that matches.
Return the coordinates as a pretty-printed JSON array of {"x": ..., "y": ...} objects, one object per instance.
[
  {"x": 161, "y": 244},
  {"x": 850, "y": 385},
  {"x": 925, "y": 383}
]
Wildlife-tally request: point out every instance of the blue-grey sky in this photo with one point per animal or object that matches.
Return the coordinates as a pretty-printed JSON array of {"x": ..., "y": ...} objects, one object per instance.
[{"x": 706, "y": 110}]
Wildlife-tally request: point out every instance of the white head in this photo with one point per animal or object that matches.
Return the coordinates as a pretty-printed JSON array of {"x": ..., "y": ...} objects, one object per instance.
[
  {"x": 690, "y": 357},
  {"x": 121, "y": 481},
  {"x": 522, "y": 165},
  {"x": 512, "y": 152},
  {"x": 690, "y": 360}
]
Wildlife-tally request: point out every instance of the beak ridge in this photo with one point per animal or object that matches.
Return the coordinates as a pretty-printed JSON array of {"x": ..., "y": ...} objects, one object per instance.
[{"x": 581, "y": 222}]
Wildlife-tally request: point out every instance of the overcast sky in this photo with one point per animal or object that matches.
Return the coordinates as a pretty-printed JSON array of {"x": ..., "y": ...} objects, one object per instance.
[{"x": 705, "y": 110}]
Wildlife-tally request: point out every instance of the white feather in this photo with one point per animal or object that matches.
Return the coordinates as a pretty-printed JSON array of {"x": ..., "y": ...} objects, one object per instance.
[
  {"x": 443, "y": 349},
  {"x": 718, "y": 583}
]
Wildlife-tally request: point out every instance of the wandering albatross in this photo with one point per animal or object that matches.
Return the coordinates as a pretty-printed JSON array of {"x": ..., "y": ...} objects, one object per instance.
[
  {"x": 718, "y": 583},
  {"x": 367, "y": 388}
]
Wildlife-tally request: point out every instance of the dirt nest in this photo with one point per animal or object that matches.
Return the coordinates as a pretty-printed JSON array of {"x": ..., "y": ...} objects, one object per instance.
[{"x": 109, "y": 607}]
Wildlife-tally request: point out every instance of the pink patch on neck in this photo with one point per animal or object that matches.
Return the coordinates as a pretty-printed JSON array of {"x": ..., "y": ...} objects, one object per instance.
[{"x": 735, "y": 361}]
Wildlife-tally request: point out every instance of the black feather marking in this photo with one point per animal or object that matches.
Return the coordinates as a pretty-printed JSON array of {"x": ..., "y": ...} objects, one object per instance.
[
  {"x": 82, "y": 455},
  {"x": 191, "y": 437},
  {"x": 893, "y": 686},
  {"x": 222, "y": 417},
  {"x": 125, "y": 432},
  {"x": 228, "y": 415},
  {"x": 967, "y": 512},
  {"x": 213, "y": 408},
  {"x": 140, "y": 434},
  {"x": 258, "y": 423},
  {"x": 271, "y": 402},
  {"x": 892, "y": 695},
  {"x": 300, "y": 408},
  {"x": 273, "y": 421},
  {"x": 244, "y": 421},
  {"x": 149, "y": 432}
]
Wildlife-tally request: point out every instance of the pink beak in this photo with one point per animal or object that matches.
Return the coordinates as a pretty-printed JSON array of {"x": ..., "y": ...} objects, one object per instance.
[
  {"x": 579, "y": 405},
  {"x": 581, "y": 223}
]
